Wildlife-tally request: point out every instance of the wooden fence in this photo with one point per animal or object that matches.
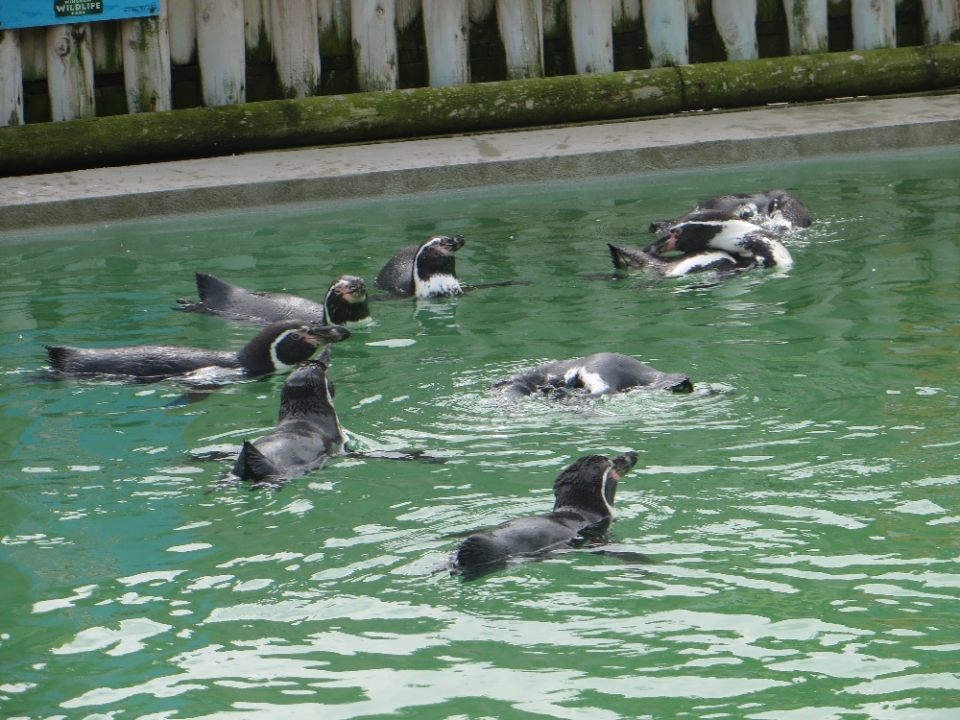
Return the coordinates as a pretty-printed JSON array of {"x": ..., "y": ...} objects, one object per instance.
[{"x": 222, "y": 52}]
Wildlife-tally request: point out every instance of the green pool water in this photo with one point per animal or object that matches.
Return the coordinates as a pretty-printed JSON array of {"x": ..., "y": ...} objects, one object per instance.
[{"x": 799, "y": 512}]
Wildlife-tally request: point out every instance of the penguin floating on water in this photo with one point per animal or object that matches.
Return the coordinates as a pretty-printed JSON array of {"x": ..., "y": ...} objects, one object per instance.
[
  {"x": 598, "y": 374},
  {"x": 780, "y": 209},
  {"x": 748, "y": 244},
  {"x": 427, "y": 270},
  {"x": 308, "y": 431},
  {"x": 583, "y": 510},
  {"x": 709, "y": 240},
  {"x": 277, "y": 345},
  {"x": 345, "y": 301}
]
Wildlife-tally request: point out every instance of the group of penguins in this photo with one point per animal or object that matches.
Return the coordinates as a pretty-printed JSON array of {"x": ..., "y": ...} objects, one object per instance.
[{"x": 724, "y": 236}]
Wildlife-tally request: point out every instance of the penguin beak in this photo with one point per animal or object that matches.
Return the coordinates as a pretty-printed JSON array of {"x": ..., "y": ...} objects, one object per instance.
[
  {"x": 664, "y": 244},
  {"x": 353, "y": 291},
  {"x": 449, "y": 245},
  {"x": 327, "y": 334},
  {"x": 622, "y": 464}
]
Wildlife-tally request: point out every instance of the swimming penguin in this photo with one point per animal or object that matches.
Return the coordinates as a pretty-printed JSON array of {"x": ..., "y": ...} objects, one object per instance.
[
  {"x": 627, "y": 258},
  {"x": 598, "y": 374},
  {"x": 427, "y": 270},
  {"x": 345, "y": 301},
  {"x": 583, "y": 509},
  {"x": 779, "y": 208},
  {"x": 747, "y": 243},
  {"x": 279, "y": 344},
  {"x": 308, "y": 431}
]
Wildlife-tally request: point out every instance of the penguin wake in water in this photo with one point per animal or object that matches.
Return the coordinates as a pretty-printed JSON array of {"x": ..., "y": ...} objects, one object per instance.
[
  {"x": 583, "y": 510},
  {"x": 778, "y": 209},
  {"x": 308, "y": 431},
  {"x": 345, "y": 301},
  {"x": 598, "y": 374},
  {"x": 427, "y": 270},
  {"x": 278, "y": 345}
]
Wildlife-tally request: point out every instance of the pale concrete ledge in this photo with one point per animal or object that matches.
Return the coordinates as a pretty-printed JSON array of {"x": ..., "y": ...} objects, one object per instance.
[{"x": 560, "y": 154}]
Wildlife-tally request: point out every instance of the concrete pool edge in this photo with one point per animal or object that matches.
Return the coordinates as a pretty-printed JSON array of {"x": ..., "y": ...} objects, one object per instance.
[{"x": 304, "y": 177}]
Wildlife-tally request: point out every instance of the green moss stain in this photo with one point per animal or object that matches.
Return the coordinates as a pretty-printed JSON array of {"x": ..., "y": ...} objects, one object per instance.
[{"x": 359, "y": 117}]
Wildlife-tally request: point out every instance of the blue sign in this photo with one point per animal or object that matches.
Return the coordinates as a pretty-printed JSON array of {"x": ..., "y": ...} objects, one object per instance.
[{"x": 39, "y": 13}]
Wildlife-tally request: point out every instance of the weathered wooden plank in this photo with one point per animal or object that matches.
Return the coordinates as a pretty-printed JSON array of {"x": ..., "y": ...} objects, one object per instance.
[
  {"x": 335, "y": 38},
  {"x": 70, "y": 71},
  {"x": 480, "y": 10},
  {"x": 221, "y": 52},
  {"x": 874, "y": 24},
  {"x": 626, "y": 14},
  {"x": 555, "y": 25},
  {"x": 941, "y": 21},
  {"x": 11, "y": 79},
  {"x": 182, "y": 29},
  {"x": 33, "y": 53},
  {"x": 258, "y": 30},
  {"x": 665, "y": 22},
  {"x": 446, "y": 25},
  {"x": 696, "y": 8},
  {"x": 807, "y": 26},
  {"x": 107, "y": 47},
  {"x": 591, "y": 35},
  {"x": 146, "y": 63},
  {"x": 521, "y": 30},
  {"x": 407, "y": 11},
  {"x": 296, "y": 46},
  {"x": 736, "y": 22},
  {"x": 373, "y": 26}
]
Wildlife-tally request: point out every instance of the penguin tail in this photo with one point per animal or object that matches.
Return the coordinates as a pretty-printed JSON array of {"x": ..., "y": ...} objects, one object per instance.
[
  {"x": 625, "y": 258},
  {"x": 253, "y": 465},
  {"x": 479, "y": 550},
  {"x": 58, "y": 357},
  {"x": 210, "y": 288}
]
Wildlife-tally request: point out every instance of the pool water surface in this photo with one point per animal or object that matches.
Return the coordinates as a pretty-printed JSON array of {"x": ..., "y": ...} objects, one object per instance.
[{"x": 786, "y": 546}]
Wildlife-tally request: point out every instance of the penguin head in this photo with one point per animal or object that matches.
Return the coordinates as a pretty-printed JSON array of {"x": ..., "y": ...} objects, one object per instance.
[
  {"x": 287, "y": 343},
  {"x": 346, "y": 300},
  {"x": 590, "y": 483},
  {"x": 435, "y": 267},
  {"x": 786, "y": 210},
  {"x": 348, "y": 288},
  {"x": 309, "y": 375}
]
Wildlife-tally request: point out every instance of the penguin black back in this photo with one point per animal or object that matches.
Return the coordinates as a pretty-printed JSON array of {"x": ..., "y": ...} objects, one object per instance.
[
  {"x": 597, "y": 374},
  {"x": 345, "y": 301},
  {"x": 277, "y": 345},
  {"x": 584, "y": 494},
  {"x": 308, "y": 430}
]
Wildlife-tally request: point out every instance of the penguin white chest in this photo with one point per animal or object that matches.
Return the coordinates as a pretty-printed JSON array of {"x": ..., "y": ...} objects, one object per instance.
[{"x": 438, "y": 285}]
